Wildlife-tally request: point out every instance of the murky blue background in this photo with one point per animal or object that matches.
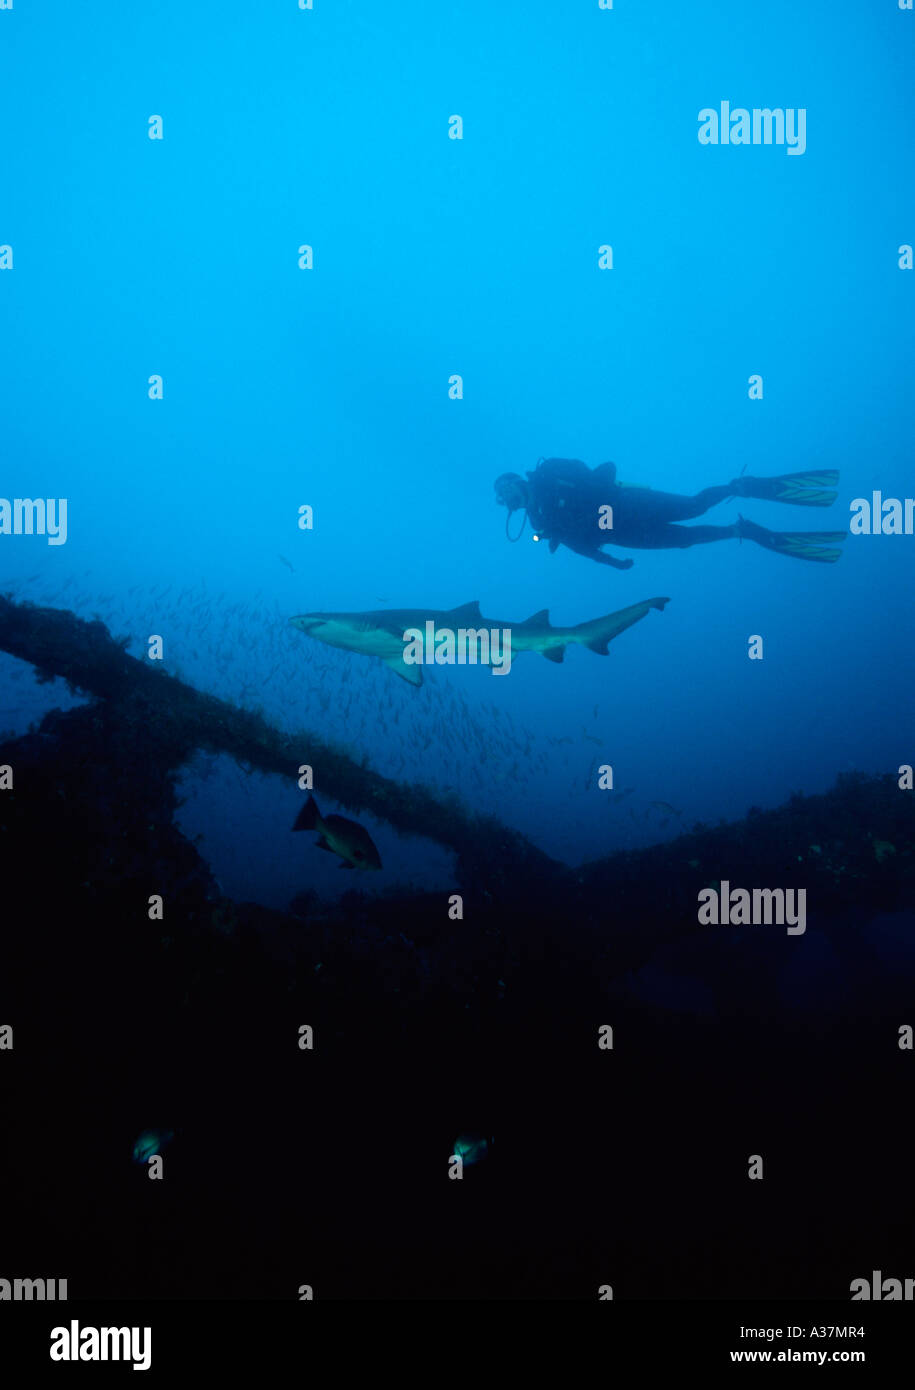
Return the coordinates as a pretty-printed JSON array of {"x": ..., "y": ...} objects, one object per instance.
[{"x": 476, "y": 257}]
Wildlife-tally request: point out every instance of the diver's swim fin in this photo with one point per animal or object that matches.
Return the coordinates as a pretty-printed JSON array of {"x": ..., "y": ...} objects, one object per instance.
[
  {"x": 803, "y": 545},
  {"x": 814, "y": 489}
]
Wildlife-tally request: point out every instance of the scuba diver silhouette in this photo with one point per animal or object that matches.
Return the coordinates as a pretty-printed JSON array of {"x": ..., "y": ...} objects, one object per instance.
[{"x": 583, "y": 509}]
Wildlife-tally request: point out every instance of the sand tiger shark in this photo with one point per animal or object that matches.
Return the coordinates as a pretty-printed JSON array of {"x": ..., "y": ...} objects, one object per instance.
[{"x": 405, "y": 639}]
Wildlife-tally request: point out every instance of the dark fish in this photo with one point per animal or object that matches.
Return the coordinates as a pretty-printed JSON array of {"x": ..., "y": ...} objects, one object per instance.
[
  {"x": 341, "y": 836},
  {"x": 472, "y": 1148},
  {"x": 150, "y": 1142}
]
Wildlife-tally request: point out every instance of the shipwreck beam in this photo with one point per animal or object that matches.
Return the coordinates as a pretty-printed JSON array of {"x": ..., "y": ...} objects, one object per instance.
[{"x": 179, "y": 720}]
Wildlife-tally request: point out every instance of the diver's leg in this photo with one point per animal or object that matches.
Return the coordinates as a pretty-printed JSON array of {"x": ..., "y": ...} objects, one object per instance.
[
  {"x": 708, "y": 497},
  {"x": 677, "y": 537},
  {"x": 645, "y": 506}
]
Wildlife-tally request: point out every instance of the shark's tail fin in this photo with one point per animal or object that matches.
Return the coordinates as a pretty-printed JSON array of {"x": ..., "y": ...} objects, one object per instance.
[
  {"x": 597, "y": 634},
  {"x": 309, "y": 818}
]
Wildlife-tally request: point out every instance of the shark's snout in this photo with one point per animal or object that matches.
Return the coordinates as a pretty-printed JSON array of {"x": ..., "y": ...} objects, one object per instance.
[{"x": 308, "y": 622}]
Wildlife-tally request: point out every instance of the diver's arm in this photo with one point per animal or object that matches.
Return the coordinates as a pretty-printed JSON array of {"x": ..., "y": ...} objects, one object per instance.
[
  {"x": 592, "y": 553},
  {"x": 603, "y": 559}
]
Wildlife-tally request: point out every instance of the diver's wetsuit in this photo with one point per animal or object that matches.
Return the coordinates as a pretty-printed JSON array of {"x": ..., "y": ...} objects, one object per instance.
[{"x": 565, "y": 497}]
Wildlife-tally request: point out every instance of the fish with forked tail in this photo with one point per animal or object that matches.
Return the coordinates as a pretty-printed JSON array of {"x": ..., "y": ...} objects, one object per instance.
[
  {"x": 346, "y": 838},
  {"x": 383, "y": 633}
]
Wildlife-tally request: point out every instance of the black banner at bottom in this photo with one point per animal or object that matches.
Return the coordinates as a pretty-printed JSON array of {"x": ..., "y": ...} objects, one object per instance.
[{"x": 165, "y": 1338}]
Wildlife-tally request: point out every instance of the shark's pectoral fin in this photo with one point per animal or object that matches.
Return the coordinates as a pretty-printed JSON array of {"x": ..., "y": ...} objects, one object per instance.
[
  {"x": 412, "y": 674},
  {"x": 554, "y": 653}
]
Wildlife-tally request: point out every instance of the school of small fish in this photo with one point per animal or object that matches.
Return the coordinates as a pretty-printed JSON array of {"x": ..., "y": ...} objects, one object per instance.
[{"x": 457, "y": 742}]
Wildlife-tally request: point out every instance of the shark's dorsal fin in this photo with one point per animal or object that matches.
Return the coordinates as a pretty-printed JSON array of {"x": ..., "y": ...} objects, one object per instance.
[
  {"x": 541, "y": 619},
  {"x": 467, "y": 612}
]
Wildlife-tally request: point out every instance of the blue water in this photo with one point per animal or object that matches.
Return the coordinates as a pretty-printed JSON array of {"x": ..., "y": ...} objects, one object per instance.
[{"x": 477, "y": 257}]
